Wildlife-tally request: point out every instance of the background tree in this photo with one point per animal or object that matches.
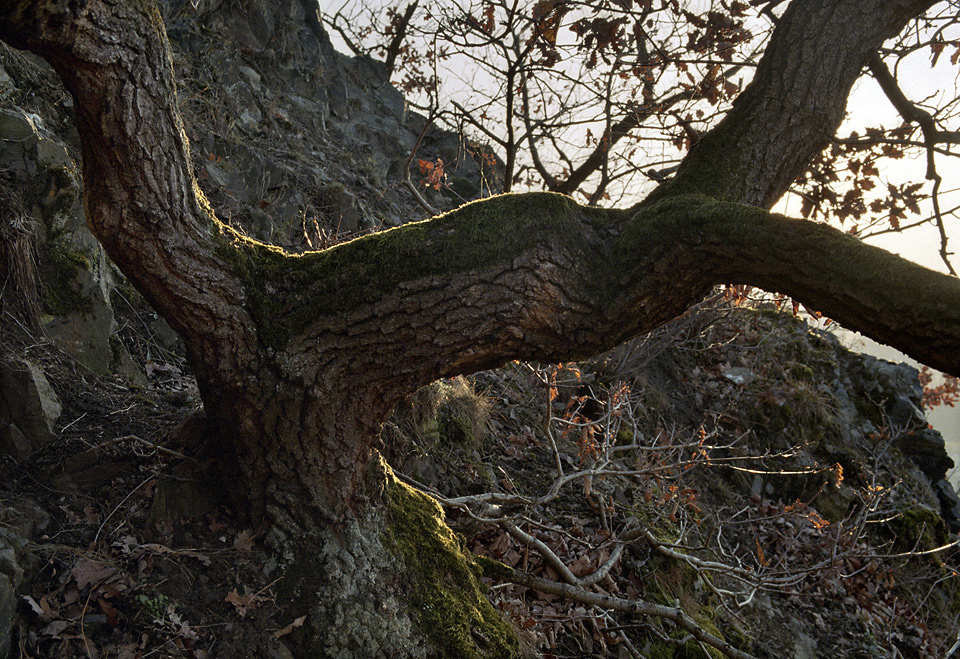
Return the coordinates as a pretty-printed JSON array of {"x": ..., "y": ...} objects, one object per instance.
[
  {"x": 300, "y": 359},
  {"x": 577, "y": 97}
]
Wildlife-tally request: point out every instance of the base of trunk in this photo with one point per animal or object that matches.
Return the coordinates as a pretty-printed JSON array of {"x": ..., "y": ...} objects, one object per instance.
[{"x": 395, "y": 582}]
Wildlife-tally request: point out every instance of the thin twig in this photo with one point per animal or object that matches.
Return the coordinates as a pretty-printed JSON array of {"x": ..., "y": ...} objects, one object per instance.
[
  {"x": 145, "y": 442},
  {"x": 406, "y": 167},
  {"x": 118, "y": 506},
  {"x": 635, "y": 606}
]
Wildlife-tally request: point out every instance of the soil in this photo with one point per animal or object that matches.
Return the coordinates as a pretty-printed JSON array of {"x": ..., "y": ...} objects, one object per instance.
[
  {"x": 143, "y": 556},
  {"x": 139, "y": 558}
]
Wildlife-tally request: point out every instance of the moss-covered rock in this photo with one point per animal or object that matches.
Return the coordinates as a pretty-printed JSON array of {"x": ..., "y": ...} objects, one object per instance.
[{"x": 60, "y": 271}]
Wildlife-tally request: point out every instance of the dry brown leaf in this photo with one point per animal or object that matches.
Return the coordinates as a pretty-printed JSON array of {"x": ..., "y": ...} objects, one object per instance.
[
  {"x": 241, "y": 602},
  {"x": 41, "y": 608},
  {"x": 55, "y": 628},
  {"x": 511, "y": 558},
  {"x": 162, "y": 549},
  {"x": 243, "y": 541},
  {"x": 87, "y": 573},
  {"x": 280, "y": 633}
]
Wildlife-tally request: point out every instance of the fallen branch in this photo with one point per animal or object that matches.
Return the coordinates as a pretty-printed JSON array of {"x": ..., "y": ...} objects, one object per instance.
[{"x": 501, "y": 572}]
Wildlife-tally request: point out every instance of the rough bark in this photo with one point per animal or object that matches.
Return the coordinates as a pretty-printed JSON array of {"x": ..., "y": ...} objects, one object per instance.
[
  {"x": 796, "y": 101},
  {"x": 300, "y": 359}
]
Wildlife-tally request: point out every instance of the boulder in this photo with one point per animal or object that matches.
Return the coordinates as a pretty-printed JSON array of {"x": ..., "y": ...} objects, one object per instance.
[
  {"x": 949, "y": 504},
  {"x": 75, "y": 274},
  {"x": 341, "y": 207},
  {"x": 20, "y": 522},
  {"x": 7, "y": 88},
  {"x": 926, "y": 449},
  {"x": 25, "y": 144},
  {"x": 29, "y": 408}
]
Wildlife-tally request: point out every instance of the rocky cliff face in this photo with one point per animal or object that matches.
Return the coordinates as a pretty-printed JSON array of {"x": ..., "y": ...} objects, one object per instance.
[
  {"x": 301, "y": 146},
  {"x": 292, "y": 142}
]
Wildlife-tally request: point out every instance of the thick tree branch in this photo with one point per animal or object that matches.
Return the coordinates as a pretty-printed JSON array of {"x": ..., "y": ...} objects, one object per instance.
[
  {"x": 538, "y": 276},
  {"x": 301, "y": 358},
  {"x": 796, "y": 101},
  {"x": 533, "y": 276},
  {"x": 400, "y": 26},
  {"x": 865, "y": 288},
  {"x": 527, "y": 276},
  {"x": 140, "y": 197}
]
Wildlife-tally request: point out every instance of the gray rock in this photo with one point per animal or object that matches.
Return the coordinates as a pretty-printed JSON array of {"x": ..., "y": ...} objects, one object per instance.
[
  {"x": 250, "y": 119},
  {"x": 949, "y": 504},
  {"x": 738, "y": 375},
  {"x": 50, "y": 153},
  {"x": 85, "y": 333},
  {"x": 18, "y": 139},
  {"x": 903, "y": 414},
  {"x": 804, "y": 645},
  {"x": 926, "y": 449},
  {"x": 887, "y": 380},
  {"x": 393, "y": 102},
  {"x": 217, "y": 175},
  {"x": 24, "y": 518},
  {"x": 76, "y": 275},
  {"x": 252, "y": 76},
  {"x": 26, "y": 145},
  {"x": 28, "y": 402},
  {"x": 19, "y": 524},
  {"x": 306, "y": 105},
  {"x": 9, "y": 584},
  {"x": 6, "y": 85},
  {"x": 14, "y": 443},
  {"x": 16, "y": 126},
  {"x": 341, "y": 207},
  {"x": 165, "y": 336}
]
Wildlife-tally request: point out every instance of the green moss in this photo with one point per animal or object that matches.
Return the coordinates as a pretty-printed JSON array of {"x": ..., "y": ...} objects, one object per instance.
[
  {"x": 463, "y": 414},
  {"x": 62, "y": 193},
  {"x": 446, "y": 413},
  {"x": 456, "y": 430},
  {"x": 442, "y": 581},
  {"x": 59, "y": 269},
  {"x": 708, "y": 170},
  {"x": 917, "y": 529},
  {"x": 464, "y": 187},
  {"x": 677, "y": 582},
  {"x": 287, "y": 292},
  {"x": 801, "y": 372}
]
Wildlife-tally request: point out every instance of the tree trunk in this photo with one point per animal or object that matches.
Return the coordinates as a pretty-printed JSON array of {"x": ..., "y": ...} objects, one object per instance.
[
  {"x": 369, "y": 562},
  {"x": 300, "y": 359}
]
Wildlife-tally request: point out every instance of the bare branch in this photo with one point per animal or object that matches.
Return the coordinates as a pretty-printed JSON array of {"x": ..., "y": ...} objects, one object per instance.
[
  {"x": 635, "y": 606},
  {"x": 406, "y": 168},
  {"x": 932, "y": 135},
  {"x": 399, "y": 34}
]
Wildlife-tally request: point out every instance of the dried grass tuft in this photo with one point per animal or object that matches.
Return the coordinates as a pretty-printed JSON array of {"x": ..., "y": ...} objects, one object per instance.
[{"x": 19, "y": 290}]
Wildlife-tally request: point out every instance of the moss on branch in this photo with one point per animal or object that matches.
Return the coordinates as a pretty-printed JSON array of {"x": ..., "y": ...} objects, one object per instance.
[
  {"x": 287, "y": 292},
  {"x": 640, "y": 270}
]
